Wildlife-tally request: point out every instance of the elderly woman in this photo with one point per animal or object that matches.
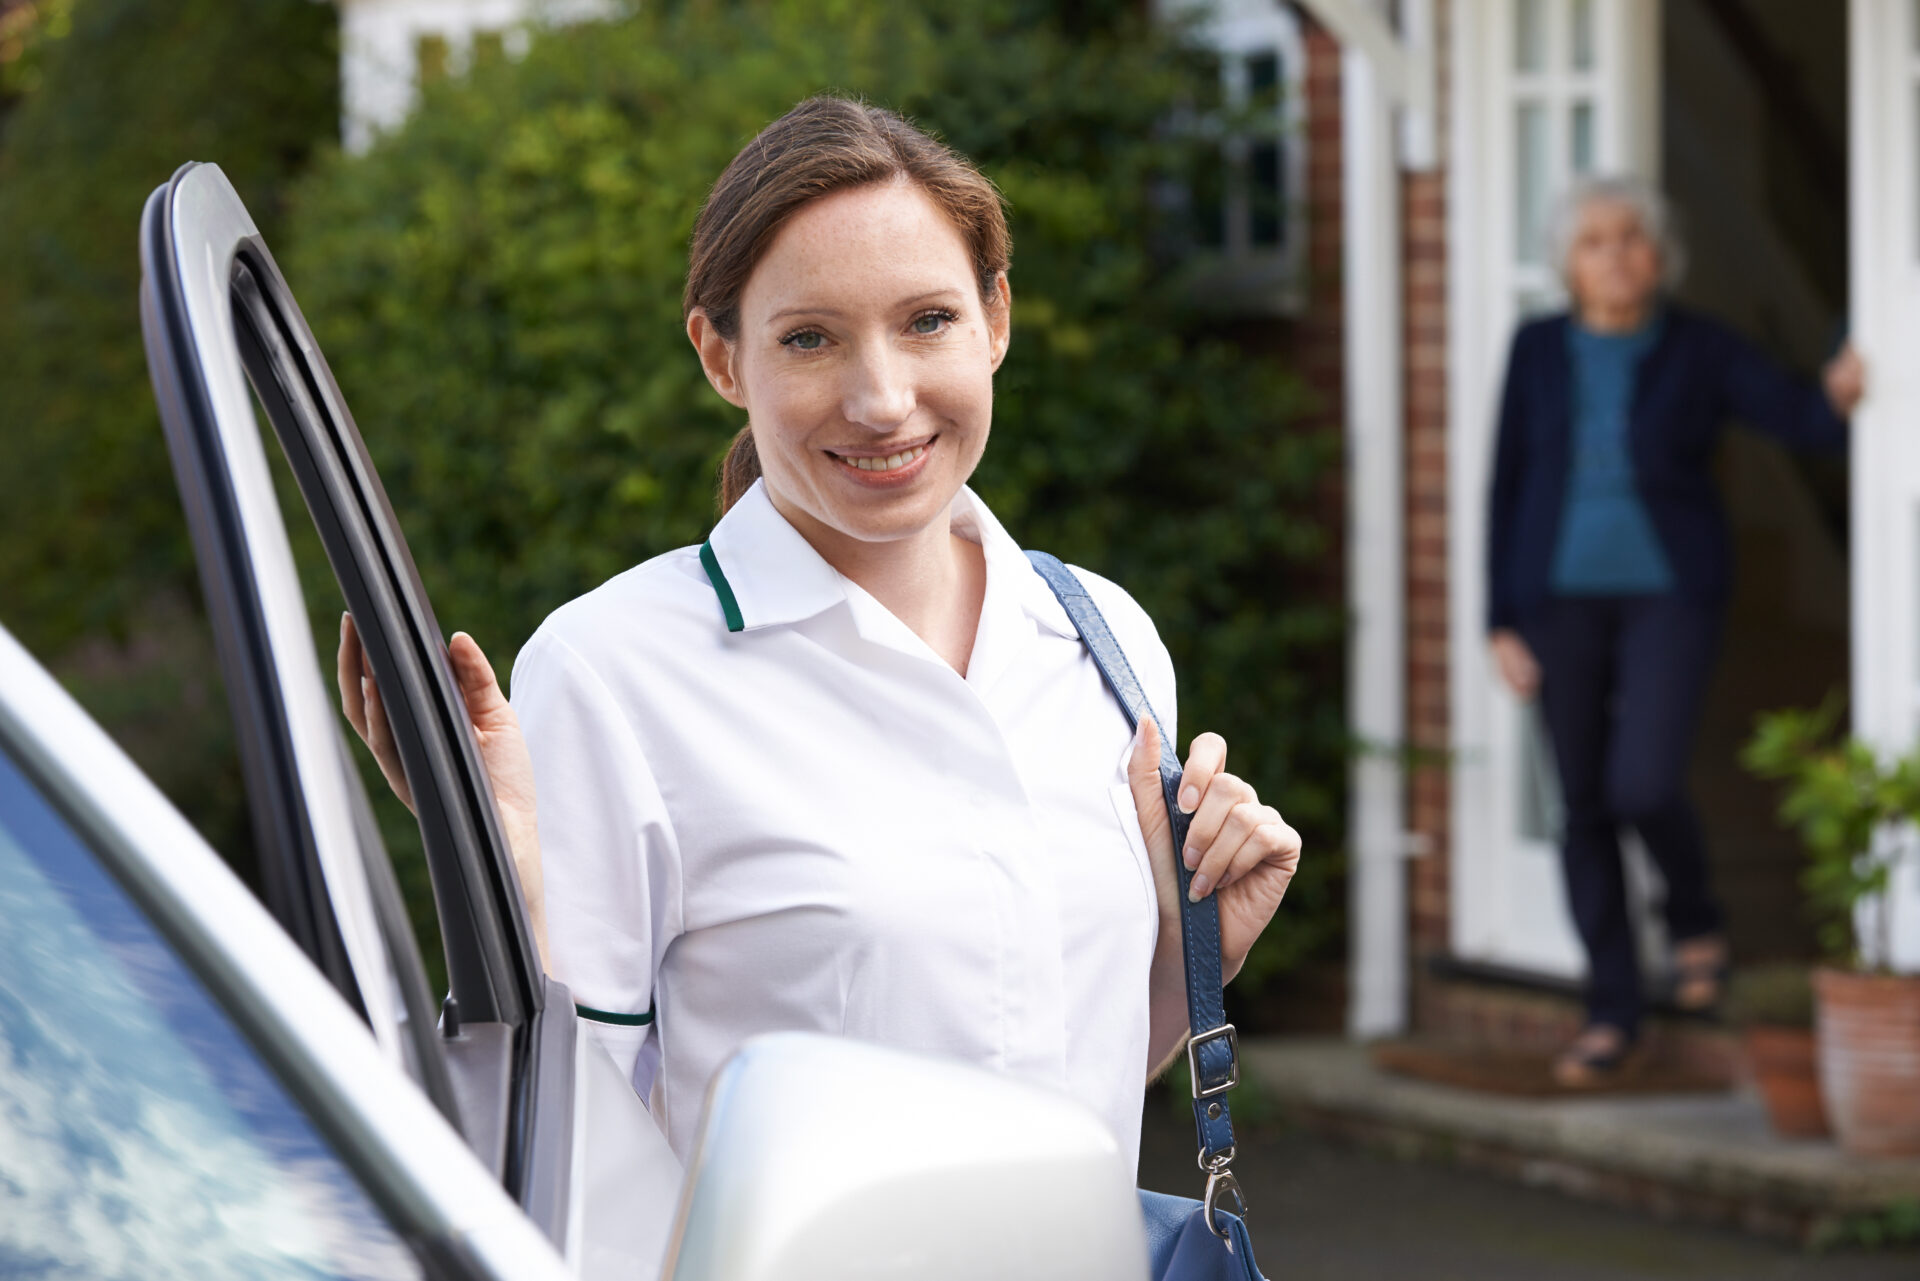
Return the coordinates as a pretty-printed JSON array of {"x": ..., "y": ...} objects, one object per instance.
[{"x": 1609, "y": 564}]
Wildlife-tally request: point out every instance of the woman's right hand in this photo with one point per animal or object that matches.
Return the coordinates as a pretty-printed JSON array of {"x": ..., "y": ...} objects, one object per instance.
[
  {"x": 503, "y": 751},
  {"x": 1516, "y": 663}
]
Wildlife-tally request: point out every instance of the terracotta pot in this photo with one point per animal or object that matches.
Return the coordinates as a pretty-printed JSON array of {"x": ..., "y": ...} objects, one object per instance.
[
  {"x": 1869, "y": 1040},
  {"x": 1787, "y": 1072}
]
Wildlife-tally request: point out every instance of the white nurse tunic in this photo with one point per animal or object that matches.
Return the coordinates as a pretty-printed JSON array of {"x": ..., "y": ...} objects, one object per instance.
[{"x": 784, "y": 811}]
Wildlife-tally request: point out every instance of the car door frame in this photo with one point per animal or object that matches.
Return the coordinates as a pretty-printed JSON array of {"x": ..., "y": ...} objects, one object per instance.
[{"x": 218, "y": 316}]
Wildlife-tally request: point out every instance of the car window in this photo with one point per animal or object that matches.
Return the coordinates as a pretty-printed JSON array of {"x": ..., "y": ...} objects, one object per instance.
[{"x": 141, "y": 1136}]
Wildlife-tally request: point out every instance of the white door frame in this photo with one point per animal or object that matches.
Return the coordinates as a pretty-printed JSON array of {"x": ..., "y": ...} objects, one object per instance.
[
  {"x": 1507, "y": 901},
  {"x": 1884, "y": 300},
  {"x": 1382, "y": 72}
]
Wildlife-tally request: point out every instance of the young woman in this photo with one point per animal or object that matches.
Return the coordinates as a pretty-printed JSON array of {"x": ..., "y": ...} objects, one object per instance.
[
  {"x": 847, "y": 767},
  {"x": 1609, "y": 563}
]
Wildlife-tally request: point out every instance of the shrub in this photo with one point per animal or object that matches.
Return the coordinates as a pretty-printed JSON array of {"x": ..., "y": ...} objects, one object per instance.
[
  {"x": 108, "y": 98},
  {"x": 498, "y": 288},
  {"x": 1840, "y": 796}
]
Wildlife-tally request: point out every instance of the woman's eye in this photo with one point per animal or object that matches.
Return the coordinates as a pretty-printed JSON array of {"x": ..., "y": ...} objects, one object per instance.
[
  {"x": 932, "y": 323},
  {"x": 804, "y": 340}
]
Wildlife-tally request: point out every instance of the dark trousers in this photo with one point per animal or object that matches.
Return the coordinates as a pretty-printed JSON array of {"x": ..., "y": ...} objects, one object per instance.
[{"x": 1621, "y": 684}]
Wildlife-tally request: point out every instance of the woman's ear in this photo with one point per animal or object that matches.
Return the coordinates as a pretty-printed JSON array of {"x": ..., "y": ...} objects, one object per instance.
[
  {"x": 716, "y": 357},
  {"x": 1000, "y": 318}
]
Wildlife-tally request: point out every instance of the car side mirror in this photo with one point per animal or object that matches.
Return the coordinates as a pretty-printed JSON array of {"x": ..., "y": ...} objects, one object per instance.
[{"x": 825, "y": 1158}]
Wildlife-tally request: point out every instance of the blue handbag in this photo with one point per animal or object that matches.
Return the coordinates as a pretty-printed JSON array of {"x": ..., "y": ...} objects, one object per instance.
[{"x": 1187, "y": 1240}]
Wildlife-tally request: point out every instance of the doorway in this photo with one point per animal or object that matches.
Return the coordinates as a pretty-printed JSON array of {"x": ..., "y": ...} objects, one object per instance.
[{"x": 1754, "y": 100}]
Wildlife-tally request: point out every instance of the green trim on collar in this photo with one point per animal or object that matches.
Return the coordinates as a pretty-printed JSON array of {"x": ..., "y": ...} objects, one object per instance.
[
  {"x": 618, "y": 1020},
  {"x": 721, "y": 588}
]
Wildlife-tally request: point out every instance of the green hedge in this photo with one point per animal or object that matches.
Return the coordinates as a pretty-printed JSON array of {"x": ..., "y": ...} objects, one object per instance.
[
  {"x": 96, "y": 575},
  {"x": 497, "y": 286}
]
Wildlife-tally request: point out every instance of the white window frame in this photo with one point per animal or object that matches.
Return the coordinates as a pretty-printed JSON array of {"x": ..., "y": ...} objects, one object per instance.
[{"x": 1249, "y": 280}]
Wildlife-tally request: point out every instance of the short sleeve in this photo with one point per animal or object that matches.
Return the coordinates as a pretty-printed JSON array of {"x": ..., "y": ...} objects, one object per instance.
[{"x": 608, "y": 854}]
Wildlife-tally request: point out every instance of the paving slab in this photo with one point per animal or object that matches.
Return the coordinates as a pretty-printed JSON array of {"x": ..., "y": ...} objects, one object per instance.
[{"x": 1707, "y": 1157}]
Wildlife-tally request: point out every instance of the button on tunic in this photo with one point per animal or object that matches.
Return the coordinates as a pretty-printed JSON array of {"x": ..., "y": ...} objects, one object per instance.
[{"x": 814, "y": 823}]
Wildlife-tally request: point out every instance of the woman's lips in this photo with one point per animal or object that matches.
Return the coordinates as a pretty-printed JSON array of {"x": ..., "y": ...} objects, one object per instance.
[{"x": 884, "y": 469}]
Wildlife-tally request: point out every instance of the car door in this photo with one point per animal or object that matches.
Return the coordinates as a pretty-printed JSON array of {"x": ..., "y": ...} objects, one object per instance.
[
  {"x": 218, "y": 319},
  {"x": 181, "y": 1094}
]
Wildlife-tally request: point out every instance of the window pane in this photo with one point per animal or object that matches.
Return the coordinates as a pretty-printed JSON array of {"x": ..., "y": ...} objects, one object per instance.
[
  {"x": 1582, "y": 15},
  {"x": 1580, "y": 137},
  {"x": 1263, "y": 80},
  {"x": 1530, "y": 35},
  {"x": 1531, "y": 163},
  {"x": 1266, "y": 196},
  {"x": 140, "y": 1135}
]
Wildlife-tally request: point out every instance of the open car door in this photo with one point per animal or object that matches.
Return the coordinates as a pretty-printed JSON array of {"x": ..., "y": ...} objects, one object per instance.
[{"x": 218, "y": 317}]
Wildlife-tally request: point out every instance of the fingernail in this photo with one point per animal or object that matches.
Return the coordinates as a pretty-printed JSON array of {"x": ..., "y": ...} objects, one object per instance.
[
  {"x": 1189, "y": 799},
  {"x": 1197, "y": 890},
  {"x": 1191, "y": 857}
]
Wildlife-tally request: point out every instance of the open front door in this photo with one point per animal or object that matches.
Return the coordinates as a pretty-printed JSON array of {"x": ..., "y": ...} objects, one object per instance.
[
  {"x": 1543, "y": 91},
  {"x": 1884, "y": 170}
]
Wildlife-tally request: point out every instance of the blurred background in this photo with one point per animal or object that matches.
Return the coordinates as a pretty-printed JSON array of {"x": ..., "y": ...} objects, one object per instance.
[{"x": 1269, "y": 255}]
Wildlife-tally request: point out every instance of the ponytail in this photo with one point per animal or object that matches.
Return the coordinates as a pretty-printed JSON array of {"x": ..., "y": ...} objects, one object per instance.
[{"x": 740, "y": 470}]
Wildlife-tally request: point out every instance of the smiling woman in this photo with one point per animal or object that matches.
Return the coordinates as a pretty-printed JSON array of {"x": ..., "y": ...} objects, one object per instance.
[{"x": 848, "y": 766}]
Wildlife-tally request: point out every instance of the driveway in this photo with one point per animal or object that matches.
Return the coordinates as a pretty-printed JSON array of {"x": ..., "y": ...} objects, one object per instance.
[{"x": 1321, "y": 1209}]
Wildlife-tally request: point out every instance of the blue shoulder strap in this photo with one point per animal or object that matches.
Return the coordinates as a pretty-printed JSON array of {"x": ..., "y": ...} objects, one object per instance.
[{"x": 1213, "y": 1048}]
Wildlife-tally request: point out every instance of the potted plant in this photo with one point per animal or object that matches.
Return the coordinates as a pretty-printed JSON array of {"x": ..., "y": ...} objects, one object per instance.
[
  {"x": 1772, "y": 1005},
  {"x": 1848, "y": 806}
]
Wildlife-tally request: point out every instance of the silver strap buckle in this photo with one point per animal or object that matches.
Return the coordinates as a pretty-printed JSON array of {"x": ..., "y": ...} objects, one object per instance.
[
  {"x": 1233, "y": 1060},
  {"x": 1221, "y": 1186}
]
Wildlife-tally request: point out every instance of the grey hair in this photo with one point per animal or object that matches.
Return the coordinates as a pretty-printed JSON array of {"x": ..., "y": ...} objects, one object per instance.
[{"x": 1655, "y": 215}]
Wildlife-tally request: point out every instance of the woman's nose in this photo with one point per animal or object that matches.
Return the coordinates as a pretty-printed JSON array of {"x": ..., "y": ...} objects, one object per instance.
[{"x": 879, "y": 392}]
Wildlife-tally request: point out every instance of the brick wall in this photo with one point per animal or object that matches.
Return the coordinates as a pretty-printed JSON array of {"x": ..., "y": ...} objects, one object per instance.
[
  {"x": 1320, "y": 337},
  {"x": 1424, "y": 257}
]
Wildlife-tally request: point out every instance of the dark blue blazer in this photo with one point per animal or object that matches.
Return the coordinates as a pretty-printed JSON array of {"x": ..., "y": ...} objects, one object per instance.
[{"x": 1698, "y": 374}]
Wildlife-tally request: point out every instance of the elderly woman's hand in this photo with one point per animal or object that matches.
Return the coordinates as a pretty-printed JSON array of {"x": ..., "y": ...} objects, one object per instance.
[
  {"x": 1845, "y": 381},
  {"x": 1518, "y": 667},
  {"x": 1240, "y": 850},
  {"x": 503, "y": 750}
]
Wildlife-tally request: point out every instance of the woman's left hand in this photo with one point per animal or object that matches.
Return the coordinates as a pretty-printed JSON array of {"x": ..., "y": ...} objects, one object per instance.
[{"x": 1240, "y": 850}]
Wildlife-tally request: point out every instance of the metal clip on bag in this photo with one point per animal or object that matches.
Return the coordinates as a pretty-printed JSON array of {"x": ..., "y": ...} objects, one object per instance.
[{"x": 1187, "y": 1240}]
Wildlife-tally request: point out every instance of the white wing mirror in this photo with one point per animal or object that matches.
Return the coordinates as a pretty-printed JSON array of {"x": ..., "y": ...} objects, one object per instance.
[{"x": 825, "y": 1158}]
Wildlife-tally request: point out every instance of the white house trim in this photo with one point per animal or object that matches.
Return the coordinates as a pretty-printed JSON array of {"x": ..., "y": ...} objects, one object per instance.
[
  {"x": 1401, "y": 65},
  {"x": 1378, "y": 73},
  {"x": 1884, "y": 205},
  {"x": 1376, "y": 686}
]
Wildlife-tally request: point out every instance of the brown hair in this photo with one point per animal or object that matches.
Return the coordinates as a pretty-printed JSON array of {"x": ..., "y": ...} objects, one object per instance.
[{"x": 824, "y": 145}]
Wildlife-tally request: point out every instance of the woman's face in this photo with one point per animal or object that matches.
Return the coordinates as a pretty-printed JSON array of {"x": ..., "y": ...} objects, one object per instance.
[
  {"x": 1613, "y": 266},
  {"x": 865, "y": 360}
]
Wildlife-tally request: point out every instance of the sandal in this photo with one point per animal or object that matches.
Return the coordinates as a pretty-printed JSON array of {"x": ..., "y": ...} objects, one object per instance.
[
  {"x": 1699, "y": 977},
  {"x": 1598, "y": 1056}
]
